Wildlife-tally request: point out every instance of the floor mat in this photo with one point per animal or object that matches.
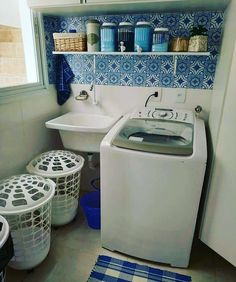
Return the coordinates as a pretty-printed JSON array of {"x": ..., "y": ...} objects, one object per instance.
[{"x": 110, "y": 269}]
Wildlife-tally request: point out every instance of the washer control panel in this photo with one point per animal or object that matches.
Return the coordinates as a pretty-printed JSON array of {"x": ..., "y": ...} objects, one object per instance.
[{"x": 164, "y": 114}]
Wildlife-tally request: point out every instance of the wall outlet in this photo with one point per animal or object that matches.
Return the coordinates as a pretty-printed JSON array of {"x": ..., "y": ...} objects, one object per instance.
[
  {"x": 180, "y": 97},
  {"x": 154, "y": 99}
]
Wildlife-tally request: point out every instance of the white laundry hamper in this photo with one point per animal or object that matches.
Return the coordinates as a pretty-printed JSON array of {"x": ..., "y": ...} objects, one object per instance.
[
  {"x": 64, "y": 168},
  {"x": 6, "y": 247},
  {"x": 3, "y": 275},
  {"x": 25, "y": 202}
]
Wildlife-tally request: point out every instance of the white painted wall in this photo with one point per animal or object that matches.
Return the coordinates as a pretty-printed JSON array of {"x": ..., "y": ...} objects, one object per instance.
[
  {"x": 116, "y": 100},
  {"x": 222, "y": 71},
  {"x": 9, "y": 13},
  {"x": 23, "y": 133},
  {"x": 218, "y": 227}
]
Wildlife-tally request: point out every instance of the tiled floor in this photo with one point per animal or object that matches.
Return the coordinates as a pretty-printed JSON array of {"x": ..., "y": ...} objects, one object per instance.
[{"x": 75, "y": 247}]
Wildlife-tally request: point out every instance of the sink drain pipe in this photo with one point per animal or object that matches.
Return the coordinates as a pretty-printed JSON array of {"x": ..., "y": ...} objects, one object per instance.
[{"x": 91, "y": 163}]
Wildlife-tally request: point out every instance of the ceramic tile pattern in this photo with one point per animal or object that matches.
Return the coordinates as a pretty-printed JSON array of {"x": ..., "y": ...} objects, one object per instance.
[
  {"x": 152, "y": 71},
  {"x": 75, "y": 247}
]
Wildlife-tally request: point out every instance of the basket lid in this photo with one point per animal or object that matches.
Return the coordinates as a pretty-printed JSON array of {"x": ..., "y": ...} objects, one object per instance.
[
  {"x": 21, "y": 193},
  {"x": 55, "y": 163},
  {"x": 4, "y": 231}
]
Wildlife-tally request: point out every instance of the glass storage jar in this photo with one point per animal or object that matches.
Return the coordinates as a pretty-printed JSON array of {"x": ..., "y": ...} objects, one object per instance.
[
  {"x": 93, "y": 35},
  {"x": 143, "y": 37},
  {"x": 160, "y": 39},
  {"x": 126, "y": 35},
  {"x": 108, "y": 37},
  {"x": 179, "y": 44}
]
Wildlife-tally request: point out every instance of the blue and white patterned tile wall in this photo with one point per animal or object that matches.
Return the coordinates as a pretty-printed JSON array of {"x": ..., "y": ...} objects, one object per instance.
[{"x": 192, "y": 72}]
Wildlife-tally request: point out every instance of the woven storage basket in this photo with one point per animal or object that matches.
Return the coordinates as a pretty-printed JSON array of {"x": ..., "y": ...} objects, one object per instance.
[{"x": 70, "y": 41}]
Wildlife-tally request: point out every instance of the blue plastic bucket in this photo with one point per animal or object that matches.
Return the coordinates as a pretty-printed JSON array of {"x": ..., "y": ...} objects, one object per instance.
[{"x": 90, "y": 203}]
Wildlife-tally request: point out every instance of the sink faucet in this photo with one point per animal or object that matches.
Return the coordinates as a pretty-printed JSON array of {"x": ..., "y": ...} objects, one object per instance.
[{"x": 83, "y": 95}]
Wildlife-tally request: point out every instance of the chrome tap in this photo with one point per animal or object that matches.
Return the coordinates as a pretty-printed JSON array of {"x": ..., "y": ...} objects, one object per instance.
[{"x": 83, "y": 95}]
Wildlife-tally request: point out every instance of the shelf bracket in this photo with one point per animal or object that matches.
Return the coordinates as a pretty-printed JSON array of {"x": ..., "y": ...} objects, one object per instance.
[
  {"x": 93, "y": 88},
  {"x": 175, "y": 61}
]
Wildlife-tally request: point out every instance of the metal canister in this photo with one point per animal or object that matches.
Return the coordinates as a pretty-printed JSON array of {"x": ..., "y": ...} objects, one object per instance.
[
  {"x": 179, "y": 44},
  {"x": 126, "y": 35},
  {"x": 143, "y": 37},
  {"x": 108, "y": 37},
  {"x": 93, "y": 35}
]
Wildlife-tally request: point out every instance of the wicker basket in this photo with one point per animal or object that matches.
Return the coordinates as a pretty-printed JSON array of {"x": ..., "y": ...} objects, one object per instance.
[{"x": 70, "y": 41}]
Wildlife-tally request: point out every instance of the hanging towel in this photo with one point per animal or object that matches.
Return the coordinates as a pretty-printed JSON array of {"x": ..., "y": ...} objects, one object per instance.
[{"x": 64, "y": 75}]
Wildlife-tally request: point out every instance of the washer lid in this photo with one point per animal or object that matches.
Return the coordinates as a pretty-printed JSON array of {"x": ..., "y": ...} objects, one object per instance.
[
  {"x": 55, "y": 163},
  {"x": 24, "y": 192},
  {"x": 156, "y": 136}
]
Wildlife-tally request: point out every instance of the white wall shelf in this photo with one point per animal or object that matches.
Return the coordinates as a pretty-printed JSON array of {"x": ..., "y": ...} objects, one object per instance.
[
  {"x": 174, "y": 54},
  {"x": 96, "y": 7},
  {"x": 135, "y": 53}
]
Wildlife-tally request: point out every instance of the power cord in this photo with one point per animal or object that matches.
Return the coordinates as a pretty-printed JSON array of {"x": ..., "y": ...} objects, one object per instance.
[{"x": 155, "y": 94}]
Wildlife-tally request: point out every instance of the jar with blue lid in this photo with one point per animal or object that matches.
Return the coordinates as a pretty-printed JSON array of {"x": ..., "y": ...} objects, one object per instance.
[
  {"x": 108, "y": 37},
  {"x": 143, "y": 37},
  {"x": 160, "y": 39}
]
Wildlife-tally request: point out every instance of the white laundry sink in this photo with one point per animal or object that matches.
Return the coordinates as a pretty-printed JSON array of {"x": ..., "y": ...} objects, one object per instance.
[{"x": 81, "y": 131}]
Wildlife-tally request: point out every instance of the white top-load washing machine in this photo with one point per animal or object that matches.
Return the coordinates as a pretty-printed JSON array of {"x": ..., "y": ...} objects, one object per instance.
[{"x": 152, "y": 169}]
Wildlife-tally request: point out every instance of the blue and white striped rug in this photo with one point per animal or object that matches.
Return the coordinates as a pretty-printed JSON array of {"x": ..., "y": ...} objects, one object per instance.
[{"x": 110, "y": 269}]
